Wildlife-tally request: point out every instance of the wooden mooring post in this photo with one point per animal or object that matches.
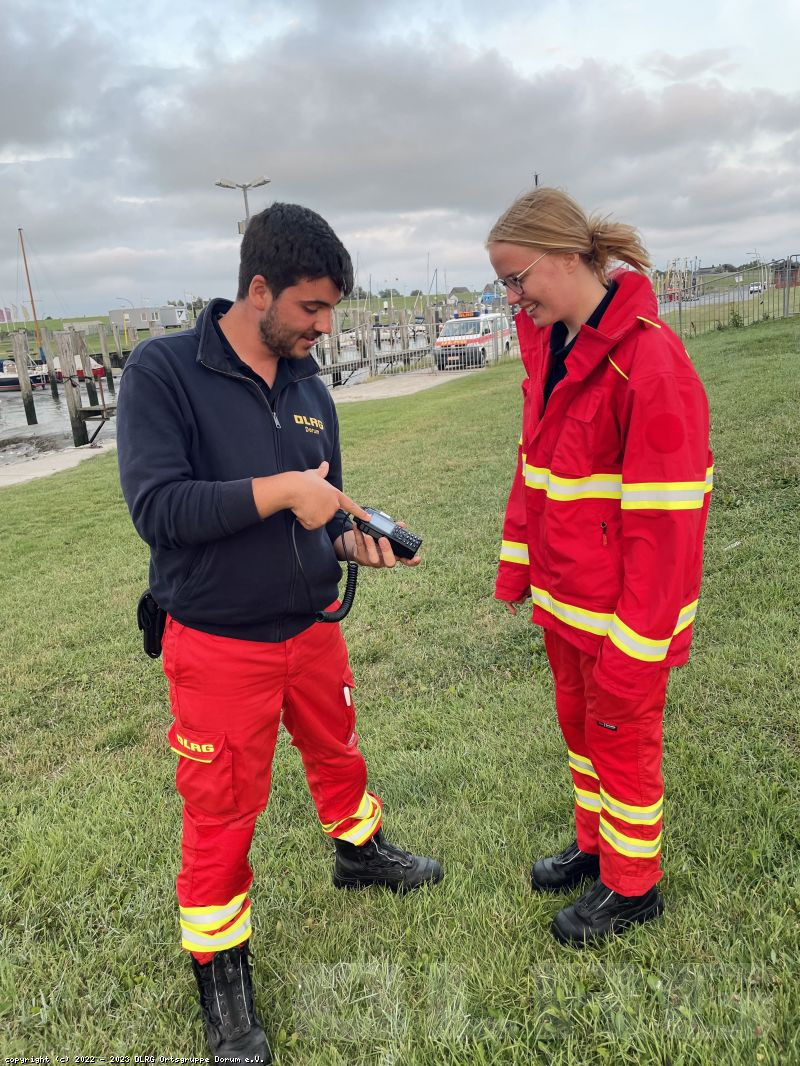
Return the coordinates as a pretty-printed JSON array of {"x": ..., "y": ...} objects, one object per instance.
[
  {"x": 47, "y": 349},
  {"x": 117, "y": 341},
  {"x": 81, "y": 353},
  {"x": 20, "y": 342},
  {"x": 72, "y": 388},
  {"x": 101, "y": 331}
]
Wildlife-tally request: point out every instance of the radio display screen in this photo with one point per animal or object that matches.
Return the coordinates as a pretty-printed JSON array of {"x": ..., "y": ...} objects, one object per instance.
[{"x": 379, "y": 521}]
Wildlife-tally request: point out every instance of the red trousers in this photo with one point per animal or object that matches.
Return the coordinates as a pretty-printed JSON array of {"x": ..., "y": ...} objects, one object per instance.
[
  {"x": 228, "y": 698},
  {"x": 614, "y": 750}
]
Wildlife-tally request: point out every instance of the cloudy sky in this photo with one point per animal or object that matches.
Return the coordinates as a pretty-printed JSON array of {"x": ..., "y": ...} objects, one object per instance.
[{"x": 410, "y": 126}]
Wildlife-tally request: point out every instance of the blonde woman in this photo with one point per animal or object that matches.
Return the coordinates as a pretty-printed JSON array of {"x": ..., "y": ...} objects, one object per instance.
[{"x": 604, "y": 530}]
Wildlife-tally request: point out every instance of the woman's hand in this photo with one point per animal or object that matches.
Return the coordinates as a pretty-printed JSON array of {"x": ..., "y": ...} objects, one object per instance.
[{"x": 513, "y": 605}]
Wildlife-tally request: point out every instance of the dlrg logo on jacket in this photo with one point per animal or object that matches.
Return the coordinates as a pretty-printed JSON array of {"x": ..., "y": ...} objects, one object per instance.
[{"x": 313, "y": 425}]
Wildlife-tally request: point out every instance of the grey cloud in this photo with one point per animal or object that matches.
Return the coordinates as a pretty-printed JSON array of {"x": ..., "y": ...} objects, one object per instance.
[
  {"x": 411, "y": 148},
  {"x": 679, "y": 68}
]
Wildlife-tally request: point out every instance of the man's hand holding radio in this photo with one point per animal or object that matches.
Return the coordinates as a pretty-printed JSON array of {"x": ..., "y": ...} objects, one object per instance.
[
  {"x": 366, "y": 551},
  {"x": 314, "y": 502}
]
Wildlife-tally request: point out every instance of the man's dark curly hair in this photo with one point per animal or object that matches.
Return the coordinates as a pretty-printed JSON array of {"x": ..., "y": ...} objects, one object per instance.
[{"x": 286, "y": 243}]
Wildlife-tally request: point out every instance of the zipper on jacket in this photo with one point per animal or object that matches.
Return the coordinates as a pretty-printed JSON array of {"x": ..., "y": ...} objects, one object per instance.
[
  {"x": 279, "y": 464},
  {"x": 248, "y": 381},
  {"x": 604, "y": 527}
]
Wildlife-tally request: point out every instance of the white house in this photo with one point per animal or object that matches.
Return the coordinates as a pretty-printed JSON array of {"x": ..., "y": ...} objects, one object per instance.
[{"x": 143, "y": 317}]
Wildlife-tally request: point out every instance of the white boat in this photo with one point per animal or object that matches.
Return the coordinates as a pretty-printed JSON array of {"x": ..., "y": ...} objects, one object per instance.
[{"x": 9, "y": 377}]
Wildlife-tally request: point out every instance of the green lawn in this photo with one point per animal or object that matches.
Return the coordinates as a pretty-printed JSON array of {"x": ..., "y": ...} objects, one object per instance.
[{"x": 456, "y": 719}]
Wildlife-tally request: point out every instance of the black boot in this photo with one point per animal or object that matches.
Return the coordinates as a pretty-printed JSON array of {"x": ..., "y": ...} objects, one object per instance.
[
  {"x": 565, "y": 870},
  {"x": 232, "y": 1026},
  {"x": 601, "y": 913},
  {"x": 380, "y": 863}
]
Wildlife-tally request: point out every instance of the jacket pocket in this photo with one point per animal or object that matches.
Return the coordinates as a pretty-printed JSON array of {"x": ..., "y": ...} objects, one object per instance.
[
  {"x": 194, "y": 569},
  {"x": 573, "y": 454},
  {"x": 204, "y": 775}
]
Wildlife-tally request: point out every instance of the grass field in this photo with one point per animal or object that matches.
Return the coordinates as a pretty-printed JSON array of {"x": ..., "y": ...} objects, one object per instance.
[{"x": 456, "y": 719}]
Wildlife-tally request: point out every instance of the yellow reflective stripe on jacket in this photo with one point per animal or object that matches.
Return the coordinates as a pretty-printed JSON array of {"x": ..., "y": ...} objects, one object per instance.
[
  {"x": 627, "y": 812},
  {"x": 578, "y": 617},
  {"x": 663, "y": 495},
  {"x": 598, "y": 486},
  {"x": 514, "y": 551},
  {"x": 535, "y": 476},
  {"x": 593, "y": 487},
  {"x": 634, "y": 495},
  {"x": 581, "y": 764},
  {"x": 686, "y": 617},
  {"x": 228, "y": 938},
  {"x": 633, "y": 847},
  {"x": 201, "y": 918},
  {"x": 634, "y": 644},
  {"x": 590, "y": 801},
  {"x": 626, "y": 639}
]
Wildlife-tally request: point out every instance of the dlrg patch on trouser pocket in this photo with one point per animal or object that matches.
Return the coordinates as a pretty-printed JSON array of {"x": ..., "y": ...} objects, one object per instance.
[{"x": 204, "y": 775}]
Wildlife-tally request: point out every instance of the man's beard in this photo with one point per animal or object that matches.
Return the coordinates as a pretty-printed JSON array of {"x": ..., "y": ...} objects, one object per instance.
[{"x": 279, "y": 338}]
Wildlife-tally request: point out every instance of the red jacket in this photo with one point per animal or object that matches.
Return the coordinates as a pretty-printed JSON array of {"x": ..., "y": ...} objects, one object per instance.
[{"x": 605, "y": 520}]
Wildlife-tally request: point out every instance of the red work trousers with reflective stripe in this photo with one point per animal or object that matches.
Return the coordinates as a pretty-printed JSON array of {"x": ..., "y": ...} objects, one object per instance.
[
  {"x": 614, "y": 751},
  {"x": 228, "y": 698}
]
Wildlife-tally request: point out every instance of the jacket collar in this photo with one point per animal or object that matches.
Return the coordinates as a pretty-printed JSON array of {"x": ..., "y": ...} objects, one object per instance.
[
  {"x": 210, "y": 352},
  {"x": 633, "y": 300}
]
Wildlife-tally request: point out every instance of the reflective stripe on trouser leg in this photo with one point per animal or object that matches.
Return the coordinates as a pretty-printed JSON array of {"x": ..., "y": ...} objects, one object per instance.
[
  {"x": 569, "y": 666},
  {"x": 359, "y": 827},
  {"x": 625, "y": 741},
  {"x": 215, "y": 928},
  {"x": 226, "y": 697},
  {"x": 319, "y": 713}
]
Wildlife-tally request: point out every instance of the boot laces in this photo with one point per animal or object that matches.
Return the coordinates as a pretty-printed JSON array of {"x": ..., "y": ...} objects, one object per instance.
[{"x": 235, "y": 995}]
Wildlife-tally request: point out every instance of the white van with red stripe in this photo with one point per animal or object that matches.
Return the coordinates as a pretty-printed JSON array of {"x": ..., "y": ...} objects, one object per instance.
[{"x": 472, "y": 339}]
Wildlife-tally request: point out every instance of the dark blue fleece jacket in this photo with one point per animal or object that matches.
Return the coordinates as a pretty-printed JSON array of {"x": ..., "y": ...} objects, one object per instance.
[{"x": 192, "y": 433}]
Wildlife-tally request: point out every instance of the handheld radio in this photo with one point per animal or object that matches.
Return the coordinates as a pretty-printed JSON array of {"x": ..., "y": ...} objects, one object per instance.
[{"x": 405, "y": 545}]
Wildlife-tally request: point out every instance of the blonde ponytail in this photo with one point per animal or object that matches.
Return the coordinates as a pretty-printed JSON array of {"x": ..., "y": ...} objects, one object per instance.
[{"x": 550, "y": 219}]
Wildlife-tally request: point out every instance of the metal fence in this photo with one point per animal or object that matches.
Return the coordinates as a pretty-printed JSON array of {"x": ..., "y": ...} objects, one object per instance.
[
  {"x": 693, "y": 302},
  {"x": 366, "y": 343}
]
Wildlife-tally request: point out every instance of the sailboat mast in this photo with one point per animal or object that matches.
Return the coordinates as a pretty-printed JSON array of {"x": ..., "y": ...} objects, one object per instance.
[{"x": 30, "y": 291}]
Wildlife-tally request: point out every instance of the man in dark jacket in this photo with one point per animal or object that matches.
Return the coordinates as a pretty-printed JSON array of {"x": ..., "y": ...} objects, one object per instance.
[{"x": 230, "y": 464}]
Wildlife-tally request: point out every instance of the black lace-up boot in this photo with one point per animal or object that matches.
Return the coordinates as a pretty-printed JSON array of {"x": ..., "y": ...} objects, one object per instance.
[
  {"x": 232, "y": 1026},
  {"x": 601, "y": 913},
  {"x": 565, "y": 870},
  {"x": 380, "y": 863}
]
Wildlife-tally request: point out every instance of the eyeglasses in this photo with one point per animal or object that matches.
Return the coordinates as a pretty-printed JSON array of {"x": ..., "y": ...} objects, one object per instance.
[{"x": 514, "y": 282}]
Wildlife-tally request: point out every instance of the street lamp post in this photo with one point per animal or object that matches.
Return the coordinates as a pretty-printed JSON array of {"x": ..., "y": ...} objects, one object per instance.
[
  {"x": 244, "y": 186},
  {"x": 126, "y": 318}
]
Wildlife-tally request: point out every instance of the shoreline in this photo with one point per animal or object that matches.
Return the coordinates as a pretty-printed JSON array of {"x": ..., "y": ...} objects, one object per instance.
[{"x": 62, "y": 455}]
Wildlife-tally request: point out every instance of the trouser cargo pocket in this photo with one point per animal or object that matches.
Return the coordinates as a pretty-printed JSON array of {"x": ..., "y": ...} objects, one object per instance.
[{"x": 204, "y": 776}]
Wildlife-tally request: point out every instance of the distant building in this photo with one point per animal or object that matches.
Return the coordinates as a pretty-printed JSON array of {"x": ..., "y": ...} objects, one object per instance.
[
  {"x": 82, "y": 326},
  {"x": 459, "y": 294},
  {"x": 143, "y": 317}
]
